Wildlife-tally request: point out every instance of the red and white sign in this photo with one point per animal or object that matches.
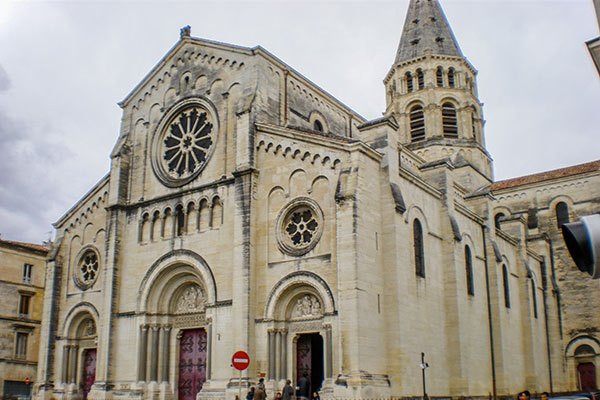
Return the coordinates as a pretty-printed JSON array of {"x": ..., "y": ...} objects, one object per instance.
[{"x": 240, "y": 360}]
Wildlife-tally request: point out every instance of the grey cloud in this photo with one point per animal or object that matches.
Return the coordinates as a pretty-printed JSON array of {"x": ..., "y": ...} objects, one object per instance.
[{"x": 4, "y": 80}]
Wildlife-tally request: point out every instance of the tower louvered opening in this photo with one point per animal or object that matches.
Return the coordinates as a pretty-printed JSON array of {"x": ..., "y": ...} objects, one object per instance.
[
  {"x": 417, "y": 123},
  {"x": 449, "y": 120}
]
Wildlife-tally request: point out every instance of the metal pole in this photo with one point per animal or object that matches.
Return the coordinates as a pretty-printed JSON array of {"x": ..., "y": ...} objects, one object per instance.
[
  {"x": 423, "y": 366},
  {"x": 240, "y": 387}
]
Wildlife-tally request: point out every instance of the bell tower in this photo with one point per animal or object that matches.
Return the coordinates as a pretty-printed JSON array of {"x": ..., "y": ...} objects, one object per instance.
[{"x": 431, "y": 90}]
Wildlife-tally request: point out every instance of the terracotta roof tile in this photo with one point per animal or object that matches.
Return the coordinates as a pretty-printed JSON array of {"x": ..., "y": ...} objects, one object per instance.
[
  {"x": 28, "y": 246},
  {"x": 548, "y": 175}
]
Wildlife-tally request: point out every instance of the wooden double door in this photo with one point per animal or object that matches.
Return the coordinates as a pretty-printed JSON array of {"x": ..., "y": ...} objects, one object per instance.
[{"x": 192, "y": 363}]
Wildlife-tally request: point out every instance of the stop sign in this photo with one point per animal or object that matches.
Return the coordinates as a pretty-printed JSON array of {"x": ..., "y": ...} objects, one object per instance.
[{"x": 240, "y": 360}]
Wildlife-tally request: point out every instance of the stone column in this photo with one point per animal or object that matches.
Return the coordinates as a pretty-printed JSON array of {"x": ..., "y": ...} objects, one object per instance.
[
  {"x": 153, "y": 353},
  {"x": 65, "y": 363},
  {"x": 271, "y": 356},
  {"x": 142, "y": 353},
  {"x": 282, "y": 354},
  {"x": 329, "y": 352},
  {"x": 209, "y": 350},
  {"x": 73, "y": 364},
  {"x": 277, "y": 355},
  {"x": 166, "y": 336}
]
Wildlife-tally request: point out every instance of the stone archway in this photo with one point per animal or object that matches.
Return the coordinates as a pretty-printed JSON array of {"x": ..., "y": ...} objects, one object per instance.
[
  {"x": 78, "y": 371},
  {"x": 583, "y": 360},
  {"x": 301, "y": 311}
]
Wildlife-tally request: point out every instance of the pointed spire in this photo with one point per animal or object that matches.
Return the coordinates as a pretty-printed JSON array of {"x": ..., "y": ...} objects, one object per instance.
[{"x": 426, "y": 28}]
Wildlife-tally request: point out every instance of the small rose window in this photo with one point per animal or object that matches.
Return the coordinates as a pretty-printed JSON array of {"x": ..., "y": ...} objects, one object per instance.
[
  {"x": 86, "y": 273},
  {"x": 300, "y": 226}
]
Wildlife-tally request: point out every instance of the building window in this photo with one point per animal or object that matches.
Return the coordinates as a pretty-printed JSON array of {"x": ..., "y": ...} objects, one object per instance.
[
  {"x": 417, "y": 123},
  {"x": 300, "y": 226},
  {"x": 409, "y": 82},
  {"x": 497, "y": 220},
  {"x": 318, "y": 126},
  {"x": 180, "y": 220},
  {"x": 506, "y": 286},
  {"x": 469, "y": 270},
  {"x": 27, "y": 273},
  {"x": 474, "y": 125},
  {"x": 439, "y": 75},
  {"x": 562, "y": 214},
  {"x": 21, "y": 345},
  {"x": 534, "y": 298},
  {"x": 451, "y": 77},
  {"x": 449, "y": 121},
  {"x": 420, "y": 79},
  {"x": 419, "y": 251},
  {"x": 24, "y": 302},
  {"x": 86, "y": 273}
]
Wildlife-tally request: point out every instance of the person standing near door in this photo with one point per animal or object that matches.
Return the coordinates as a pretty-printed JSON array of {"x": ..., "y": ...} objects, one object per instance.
[
  {"x": 303, "y": 386},
  {"x": 288, "y": 391}
]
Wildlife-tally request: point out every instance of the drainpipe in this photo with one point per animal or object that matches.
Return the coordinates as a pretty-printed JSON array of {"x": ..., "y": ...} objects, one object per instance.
[
  {"x": 489, "y": 308},
  {"x": 545, "y": 286}
]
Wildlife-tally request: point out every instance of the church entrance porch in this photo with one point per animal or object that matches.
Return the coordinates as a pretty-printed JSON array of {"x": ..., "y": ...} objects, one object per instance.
[
  {"x": 309, "y": 360},
  {"x": 192, "y": 363},
  {"x": 89, "y": 371}
]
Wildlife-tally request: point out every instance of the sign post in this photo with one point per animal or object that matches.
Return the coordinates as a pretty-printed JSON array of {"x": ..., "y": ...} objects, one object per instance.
[{"x": 240, "y": 361}]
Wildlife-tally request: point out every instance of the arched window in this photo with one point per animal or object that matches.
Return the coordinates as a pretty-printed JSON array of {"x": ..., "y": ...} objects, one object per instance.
[
  {"x": 449, "y": 121},
  {"x": 451, "y": 77},
  {"x": 562, "y": 214},
  {"x": 506, "y": 286},
  {"x": 318, "y": 126},
  {"x": 417, "y": 123},
  {"x": 418, "y": 247},
  {"x": 180, "y": 221},
  {"x": 469, "y": 270},
  {"x": 420, "y": 79},
  {"x": 497, "y": 220},
  {"x": 474, "y": 125},
  {"x": 409, "y": 82},
  {"x": 439, "y": 75},
  {"x": 534, "y": 298}
]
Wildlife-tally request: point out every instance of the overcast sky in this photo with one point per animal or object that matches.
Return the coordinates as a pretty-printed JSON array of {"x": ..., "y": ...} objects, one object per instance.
[{"x": 65, "y": 65}]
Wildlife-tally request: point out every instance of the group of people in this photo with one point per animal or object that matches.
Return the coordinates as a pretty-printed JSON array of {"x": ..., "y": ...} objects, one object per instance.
[
  {"x": 526, "y": 395},
  {"x": 302, "y": 391}
]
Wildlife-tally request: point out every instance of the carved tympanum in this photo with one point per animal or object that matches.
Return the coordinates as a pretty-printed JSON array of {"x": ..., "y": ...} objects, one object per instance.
[
  {"x": 307, "y": 306},
  {"x": 191, "y": 300}
]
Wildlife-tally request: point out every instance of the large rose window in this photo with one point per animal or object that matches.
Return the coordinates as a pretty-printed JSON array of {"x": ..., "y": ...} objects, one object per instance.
[
  {"x": 300, "y": 225},
  {"x": 184, "y": 142}
]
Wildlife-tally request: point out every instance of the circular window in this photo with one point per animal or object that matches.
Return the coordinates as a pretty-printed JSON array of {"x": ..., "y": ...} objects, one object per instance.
[
  {"x": 300, "y": 225},
  {"x": 86, "y": 272},
  {"x": 184, "y": 141}
]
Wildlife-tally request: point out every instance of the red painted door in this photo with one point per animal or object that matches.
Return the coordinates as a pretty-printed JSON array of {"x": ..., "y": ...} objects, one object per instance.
[
  {"x": 587, "y": 376},
  {"x": 89, "y": 371},
  {"x": 192, "y": 363}
]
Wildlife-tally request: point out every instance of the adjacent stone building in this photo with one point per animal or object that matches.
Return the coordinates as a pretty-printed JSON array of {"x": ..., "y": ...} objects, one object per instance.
[
  {"x": 22, "y": 271},
  {"x": 248, "y": 209}
]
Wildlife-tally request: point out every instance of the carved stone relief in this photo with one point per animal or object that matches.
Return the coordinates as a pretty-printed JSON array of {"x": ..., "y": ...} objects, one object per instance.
[{"x": 191, "y": 300}]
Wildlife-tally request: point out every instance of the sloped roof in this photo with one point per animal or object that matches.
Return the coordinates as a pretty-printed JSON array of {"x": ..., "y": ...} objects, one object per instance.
[
  {"x": 546, "y": 176},
  {"x": 26, "y": 246},
  {"x": 426, "y": 28}
]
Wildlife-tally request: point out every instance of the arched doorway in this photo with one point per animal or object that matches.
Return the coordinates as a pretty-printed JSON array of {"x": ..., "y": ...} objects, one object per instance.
[
  {"x": 89, "y": 371},
  {"x": 309, "y": 360}
]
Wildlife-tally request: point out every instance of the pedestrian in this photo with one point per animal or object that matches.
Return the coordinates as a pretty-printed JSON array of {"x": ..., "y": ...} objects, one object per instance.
[
  {"x": 544, "y": 396},
  {"x": 288, "y": 391},
  {"x": 524, "y": 395},
  {"x": 303, "y": 386},
  {"x": 250, "y": 395},
  {"x": 261, "y": 392},
  {"x": 316, "y": 396},
  {"x": 278, "y": 396}
]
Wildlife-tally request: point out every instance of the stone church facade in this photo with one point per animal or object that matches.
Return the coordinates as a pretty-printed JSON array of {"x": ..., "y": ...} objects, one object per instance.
[{"x": 248, "y": 209}]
